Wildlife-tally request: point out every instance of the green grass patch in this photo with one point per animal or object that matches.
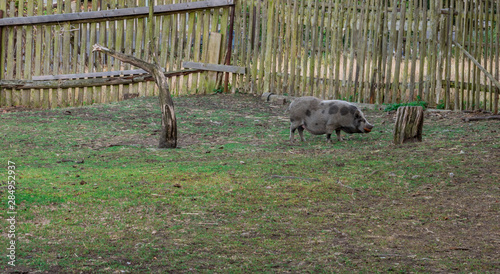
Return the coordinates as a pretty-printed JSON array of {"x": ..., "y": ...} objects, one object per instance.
[{"x": 95, "y": 194}]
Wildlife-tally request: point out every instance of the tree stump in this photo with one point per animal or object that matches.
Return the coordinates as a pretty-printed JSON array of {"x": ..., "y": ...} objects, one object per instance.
[
  {"x": 168, "y": 136},
  {"x": 409, "y": 123}
]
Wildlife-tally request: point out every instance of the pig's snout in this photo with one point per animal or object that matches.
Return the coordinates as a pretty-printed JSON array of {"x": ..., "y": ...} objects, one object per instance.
[{"x": 368, "y": 127}]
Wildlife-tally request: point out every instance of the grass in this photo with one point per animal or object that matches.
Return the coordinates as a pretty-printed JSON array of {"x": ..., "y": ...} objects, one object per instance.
[{"x": 96, "y": 195}]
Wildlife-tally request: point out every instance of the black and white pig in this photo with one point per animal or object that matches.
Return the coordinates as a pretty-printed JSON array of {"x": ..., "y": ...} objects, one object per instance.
[{"x": 325, "y": 116}]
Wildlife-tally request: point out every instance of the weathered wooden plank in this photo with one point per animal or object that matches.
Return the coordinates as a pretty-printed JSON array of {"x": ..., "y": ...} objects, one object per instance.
[
  {"x": 28, "y": 54},
  {"x": 396, "y": 95},
  {"x": 262, "y": 49},
  {"x": 90, "y": 75},
  {"x": 339, "y": 23},
  {"x": 406, "y": 46},
  {"x": 313, "y": 21},
  {"x": 490, "y": 48},
  {"x": 213, "y": 55},
  {"x": 307, "y": 15},
  {"x": 189, "y": 49},
  {"x": 278, "y": 49},
  {"x": 181, "y": 32},
  {"x": 269, "y": 44},
  {"x": 198, "y": 32},
  {"x": 48, "y": 60},
  {"x": 329, "y": 52},
  {"x": 223, "y": 29},
  {"x": 203, "y": 79},
  {"x": 478, "y": 53},
  {"x": 448, "y": 31},
  {"x": 255, "y": 47},
  {"x": 414, "y": 50},
  {"x": 423, "y": 48},
  {"x": 37, "y": 99},
  {"x": 242, "y": 39},
  {"x": 214, "y": 67},
  {"x": 293, "y": 51},
  {"x": 95, "y": 82},
  {"x": 237, "y": 53},
  {"x": 115, "y": 14},
  {"x": 65, "y": 54},
  {"x": 460, "y": 69},
  {"x": 230, "y": 45},
  {"x": 478, "y": 65}
]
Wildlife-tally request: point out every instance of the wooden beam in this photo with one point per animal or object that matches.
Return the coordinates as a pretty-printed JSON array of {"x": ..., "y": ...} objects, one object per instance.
[
  {"x": 74, "y": 83},
  {"x": 107, "y": 15},
  {"x": 214, "y": 46},
  {"x": 90, "y": 75},
  {"x": 486, "y": 73},
  {"x": 214, "y": 67},
  {"x": 480, "y": 118}
]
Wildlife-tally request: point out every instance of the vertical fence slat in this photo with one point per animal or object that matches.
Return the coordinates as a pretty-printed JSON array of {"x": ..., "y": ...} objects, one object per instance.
[
  {"x": 268, "y": 45},
  {"x": 469, "y": 44},
  {"x": 396, "y": 96},
  {"x": 294, "y": 29},
  {"x": 479, "y": 56},
  {"x": 37, "y": 99},
  {"x": 390, "y": 55},
  {"x": 187, "y": 49},
  {"x": 457, "y": 36},
  {"x": 320, "y": 86},
  {"x": 328, "y": 53},
  {"x": 353, "y": 11},
  {"x": 414, "y": 49},
  {"x": 304, "y": 42},
  {"x": 197, "y": 46},
  {"x": 11, "y": 93},
  {"x": 491, "y": 20},
  {"x": 277, "y": 54},
  {"x": 263, "y": 45},
  {"x": 286, "y": 27},
  {"x": 488, "y": 95},
  {"x": 406, "y": 47},
  {"x": 448, "y": 42},
  {"x": 313, "y": 49},
  {"x": 423, "y": 50}
]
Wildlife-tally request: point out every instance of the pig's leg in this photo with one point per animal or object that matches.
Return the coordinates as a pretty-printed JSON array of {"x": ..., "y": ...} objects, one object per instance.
[
  {"x": 296, "y": 124},
  {"x": 328, "y": 137},
  {"x": 293, "y": 127},
  {"x": 301, "y": 133},
  {"x": 292, "y": 133},
  {"x": 329, "y": 130},
  {"x": 338, "y": 135}
]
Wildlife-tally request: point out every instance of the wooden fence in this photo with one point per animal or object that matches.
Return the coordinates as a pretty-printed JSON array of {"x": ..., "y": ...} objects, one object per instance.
[
  {"x": 46, "y": 55},
  {"x": 445, "y": 52},
  {"x": 374, "y": 51}
]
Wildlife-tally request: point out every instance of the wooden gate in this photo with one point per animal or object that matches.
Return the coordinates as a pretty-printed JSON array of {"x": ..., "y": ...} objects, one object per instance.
[{"x": 46, "y": 56}]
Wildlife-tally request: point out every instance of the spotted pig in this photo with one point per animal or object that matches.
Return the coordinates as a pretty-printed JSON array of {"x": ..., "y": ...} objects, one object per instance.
[{"x": 325, "y": 116}]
